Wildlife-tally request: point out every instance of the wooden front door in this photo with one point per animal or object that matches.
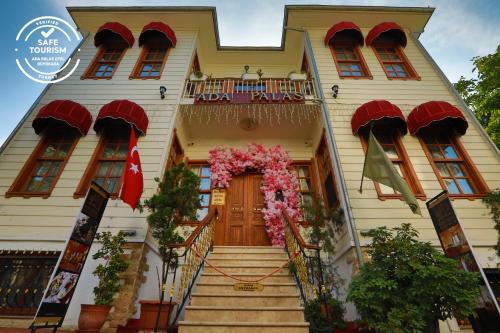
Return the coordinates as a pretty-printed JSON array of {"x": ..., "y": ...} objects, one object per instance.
[{"x": 243, "y": 223}]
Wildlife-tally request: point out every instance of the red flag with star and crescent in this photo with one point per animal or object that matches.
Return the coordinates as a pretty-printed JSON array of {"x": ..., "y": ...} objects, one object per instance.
[{"x": 132, "y": 178}]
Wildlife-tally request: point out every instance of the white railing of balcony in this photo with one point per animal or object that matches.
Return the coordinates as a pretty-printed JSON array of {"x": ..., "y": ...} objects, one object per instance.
[{"x": 238, "y": 86}]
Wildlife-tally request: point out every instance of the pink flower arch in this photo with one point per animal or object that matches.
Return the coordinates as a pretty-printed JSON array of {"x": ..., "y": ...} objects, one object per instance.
[{"x": 275, "y": 165}]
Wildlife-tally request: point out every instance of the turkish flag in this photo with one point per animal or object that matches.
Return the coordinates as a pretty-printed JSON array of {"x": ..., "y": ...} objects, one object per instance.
[{"x": 132, "y": 178}]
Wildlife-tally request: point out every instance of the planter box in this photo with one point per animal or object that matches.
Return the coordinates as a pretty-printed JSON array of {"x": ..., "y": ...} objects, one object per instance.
[
  {"x": 297, "y": 76},
  {"x": 194, "y": 78},
  {"x": 250, "y": 77}
]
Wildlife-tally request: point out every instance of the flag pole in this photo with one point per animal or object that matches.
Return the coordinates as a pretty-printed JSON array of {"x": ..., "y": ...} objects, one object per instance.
[{"x": 364, "y": 163}]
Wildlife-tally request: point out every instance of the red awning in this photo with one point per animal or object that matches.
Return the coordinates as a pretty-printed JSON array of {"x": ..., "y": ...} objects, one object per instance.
[
  {"x": 124, "y": 110},
  {"x": 378, "y": 110},
  {"x": 160, "y": 27},
  {"x": 116, "y": 28},
  {"x": 344, "y": 26},
  {"x": 387, "y": 27},
  {"x": 66, "y": 111},
  {"x": 434, "y": 112}
]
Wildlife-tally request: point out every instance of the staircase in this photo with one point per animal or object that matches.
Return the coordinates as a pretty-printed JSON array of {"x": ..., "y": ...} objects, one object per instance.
[{"x": 217, "y": 308}]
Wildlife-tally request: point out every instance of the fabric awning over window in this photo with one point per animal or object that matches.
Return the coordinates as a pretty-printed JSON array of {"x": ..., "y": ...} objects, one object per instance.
[
  {"x": 123, "y": 110},
  {"x": 115, "y": 28},
  {"x": 376, "y": 111},
  {"x": 391, "y": 28},
  {"x": 435, "y": 112},
  {"x": 160, "y": 27},
  {"x": 344, "y": 26},
  {"x": 65, "y": 111}
]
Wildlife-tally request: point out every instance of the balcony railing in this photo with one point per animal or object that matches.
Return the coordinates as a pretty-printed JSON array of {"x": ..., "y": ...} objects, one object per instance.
[{"x": 239, "y": 86}]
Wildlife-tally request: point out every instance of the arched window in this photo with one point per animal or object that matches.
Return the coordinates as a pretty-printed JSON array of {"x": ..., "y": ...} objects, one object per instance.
[
  {"x": 387, "y": 41},
  {"x": 59, "y": 124},
  {"x": 113, "y": 124},
  {"x": 438, "y": 126},
  {"x": 112, "y": 39},
  {"x": 388, "y": 125},
  {"x": 156, "y": 39},
  {"x": 344, "y": 39}
]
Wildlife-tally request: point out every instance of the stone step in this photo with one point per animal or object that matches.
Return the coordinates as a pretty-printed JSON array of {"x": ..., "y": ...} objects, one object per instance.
[
  {"x": 279, "y": 277},
  {"x": 261, "y": 270},
  {"x": 249, "y": 255},
  {"x": 247, "y": 249},
  {"x": 255, "y": 300},
  {"x": 259, "y": 262},
  {"x": 228, "y": 288},
  {"x": 240, "y": 327},
  {"x": 245, "y": 314}
]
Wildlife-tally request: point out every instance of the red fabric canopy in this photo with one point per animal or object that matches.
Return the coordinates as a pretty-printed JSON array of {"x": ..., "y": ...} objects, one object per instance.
[
  {"x": 434, "y": 112},
  {"x": 394, "y": 28},
  {"x": 66, "y": 111},
  {"x": 343, "y": 26},
  {"x": 161, "y": 28},
  {"x": 377, "y": 110},
  {"x": 124, "y": 110},
  {"x": 116, "y": 28}
]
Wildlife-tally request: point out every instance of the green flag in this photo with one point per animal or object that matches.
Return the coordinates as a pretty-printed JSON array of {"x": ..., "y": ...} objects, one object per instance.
[{"x": 378, "y": 167}]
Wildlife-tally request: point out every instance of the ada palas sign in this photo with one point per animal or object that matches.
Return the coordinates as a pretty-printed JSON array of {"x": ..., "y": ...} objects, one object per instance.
[
  {"x": 250, "y": 98},
  {"x": 62, "y": 285}
]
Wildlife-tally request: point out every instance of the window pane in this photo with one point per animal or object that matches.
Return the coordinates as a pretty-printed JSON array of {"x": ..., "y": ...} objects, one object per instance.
[
  {"x": 449, "y": 152},
  {"x": 117, "y": 169},
  {"x": 456, "y": 169},
  {"x": 195, "y": 169},
  {"x": 303, "y": 171},
  {"x": 205, "y": 199},
  {"x": 205, "y": 172},
  {"x": 109, "y": 150},
  {"x": 107, "y": 74},
  {"x": 304, "y": 185},
  {"x": 102, "y": 170},
  {"x": 45, "y": 185},
  {"x": 50, "y": 150},
  {"x": 201, "y": 213},
  {"x": 205, "y": 184},
  {"x": 390, "y": 151},
  {"x": 111, "y": 185},
  {"x": 443, "y": 170},
  {"x": 355, "y": 67},
  {"x": 42, "y": 168},
  {"x": 122, "y": 151},
  {"x": 63, "y": 150},
  {"x": 451, "y": 186},
  {"x": 435, "y": 151},
  {"x": 465, "y": 186},
  {"x": 33, "y": 184},
  {"x": 54, "y": 170}
]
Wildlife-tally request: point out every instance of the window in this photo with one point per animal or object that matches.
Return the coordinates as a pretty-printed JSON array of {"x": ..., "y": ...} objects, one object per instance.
[
  {"x": 42, "y": 170},
  {"x": 24, "y": 275},
  {"x": 349, "y": 61},
  {"x": 452, "y": 166},
  {"x": 394, "y": 62},
  {"x": 203, "y": 171},
  {"x": 326, "y": 175},
  {"x": 150, "y": 64},
  {"x": 394, "y": 149},
  {"x": 176, "y": 153},
  {"x": 108, "y": 162},
  {"x": 303, "y": 173},
  {"x": 105, "y": 63}
]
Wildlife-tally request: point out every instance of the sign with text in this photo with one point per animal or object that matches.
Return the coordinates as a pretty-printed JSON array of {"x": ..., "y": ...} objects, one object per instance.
[
  {"x": 249, "y": 98},
  {"x": 218, "y": 197},
  {"x": 456, "y": 246},
  {"x": 62, "y": 285}
]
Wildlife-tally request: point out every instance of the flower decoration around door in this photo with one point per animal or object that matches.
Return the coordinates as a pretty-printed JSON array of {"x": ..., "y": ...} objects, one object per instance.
[{"x": 276, "y": 167}]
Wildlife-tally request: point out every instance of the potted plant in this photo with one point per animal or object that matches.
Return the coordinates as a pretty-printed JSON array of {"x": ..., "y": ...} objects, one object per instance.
[
  {"x": 251, "y": 76},
  {"x": 325, "y": 313},
  {"x": 197, "y": 76},
  {"x": 492, "y": 201},
  {"x": 93, "y": 316},
  {"x": 177, "y": 200},
  {"x": 294, "y": 76},
  {"x": 409, "y": 285}
]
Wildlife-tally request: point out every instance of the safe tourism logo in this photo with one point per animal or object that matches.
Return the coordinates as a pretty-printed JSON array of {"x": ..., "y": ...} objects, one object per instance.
[{"x": 43, "y": 49}]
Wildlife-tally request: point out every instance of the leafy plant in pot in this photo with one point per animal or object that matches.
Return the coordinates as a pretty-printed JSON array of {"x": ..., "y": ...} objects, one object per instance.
[
  {"x": 177, "y": 200},
  {"x": 409, "y": 285},
  {"x": 92, "y": 317},
  {"x": 324, "y": 313}
]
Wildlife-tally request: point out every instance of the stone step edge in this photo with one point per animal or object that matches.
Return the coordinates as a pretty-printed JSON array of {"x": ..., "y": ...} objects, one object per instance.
[
  {"x": 245, "y": 308},
  {"x": 250, "y": 259},
  {"x": 247, "y": 247},
  {"x": 242, "y": 266},
  {"x": 281, "y": 295},
  {"x": 230, "y": 284},
  {"x": 245, "y": 324},
  {"x": 244, "y": 274}
]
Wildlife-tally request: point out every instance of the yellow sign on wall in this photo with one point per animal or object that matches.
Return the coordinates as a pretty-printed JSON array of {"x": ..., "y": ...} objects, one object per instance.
[
  {"x": 218, "y": 197},
  {"x": 254, "y": 286}
]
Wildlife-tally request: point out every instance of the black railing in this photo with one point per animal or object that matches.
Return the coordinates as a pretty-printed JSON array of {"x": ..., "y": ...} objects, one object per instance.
[{"x": 306, "y": 266}]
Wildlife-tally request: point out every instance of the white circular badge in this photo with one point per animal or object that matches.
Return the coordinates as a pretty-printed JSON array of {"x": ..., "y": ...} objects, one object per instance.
[{"x": 43, "y": 49}]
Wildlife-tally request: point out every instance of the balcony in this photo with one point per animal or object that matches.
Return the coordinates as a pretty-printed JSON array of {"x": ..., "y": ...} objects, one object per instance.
[{"x": 234, "y": 87}]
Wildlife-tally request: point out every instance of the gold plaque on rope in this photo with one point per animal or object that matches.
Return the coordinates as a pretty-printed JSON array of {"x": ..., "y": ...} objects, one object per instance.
[
  {"x": 218, "y": 197},
  {"x": 248, "y": 286}
]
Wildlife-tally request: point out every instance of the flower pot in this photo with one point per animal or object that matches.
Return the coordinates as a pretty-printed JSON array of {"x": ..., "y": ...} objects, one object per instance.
[
  {"x": 92, "y": 317},
  {"x": 195, "y": 78},
  {"x": 297, "y": 76},
  {"x": 149, "y": 311},
  {"x": 250, "y": 77}
]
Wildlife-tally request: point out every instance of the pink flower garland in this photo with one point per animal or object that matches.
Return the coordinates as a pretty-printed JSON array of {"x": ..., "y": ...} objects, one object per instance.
[{"x": 275, "y": 164}]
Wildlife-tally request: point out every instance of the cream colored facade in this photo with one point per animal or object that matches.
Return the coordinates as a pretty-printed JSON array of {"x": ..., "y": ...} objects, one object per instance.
[{"x": 44, "y": 224}]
